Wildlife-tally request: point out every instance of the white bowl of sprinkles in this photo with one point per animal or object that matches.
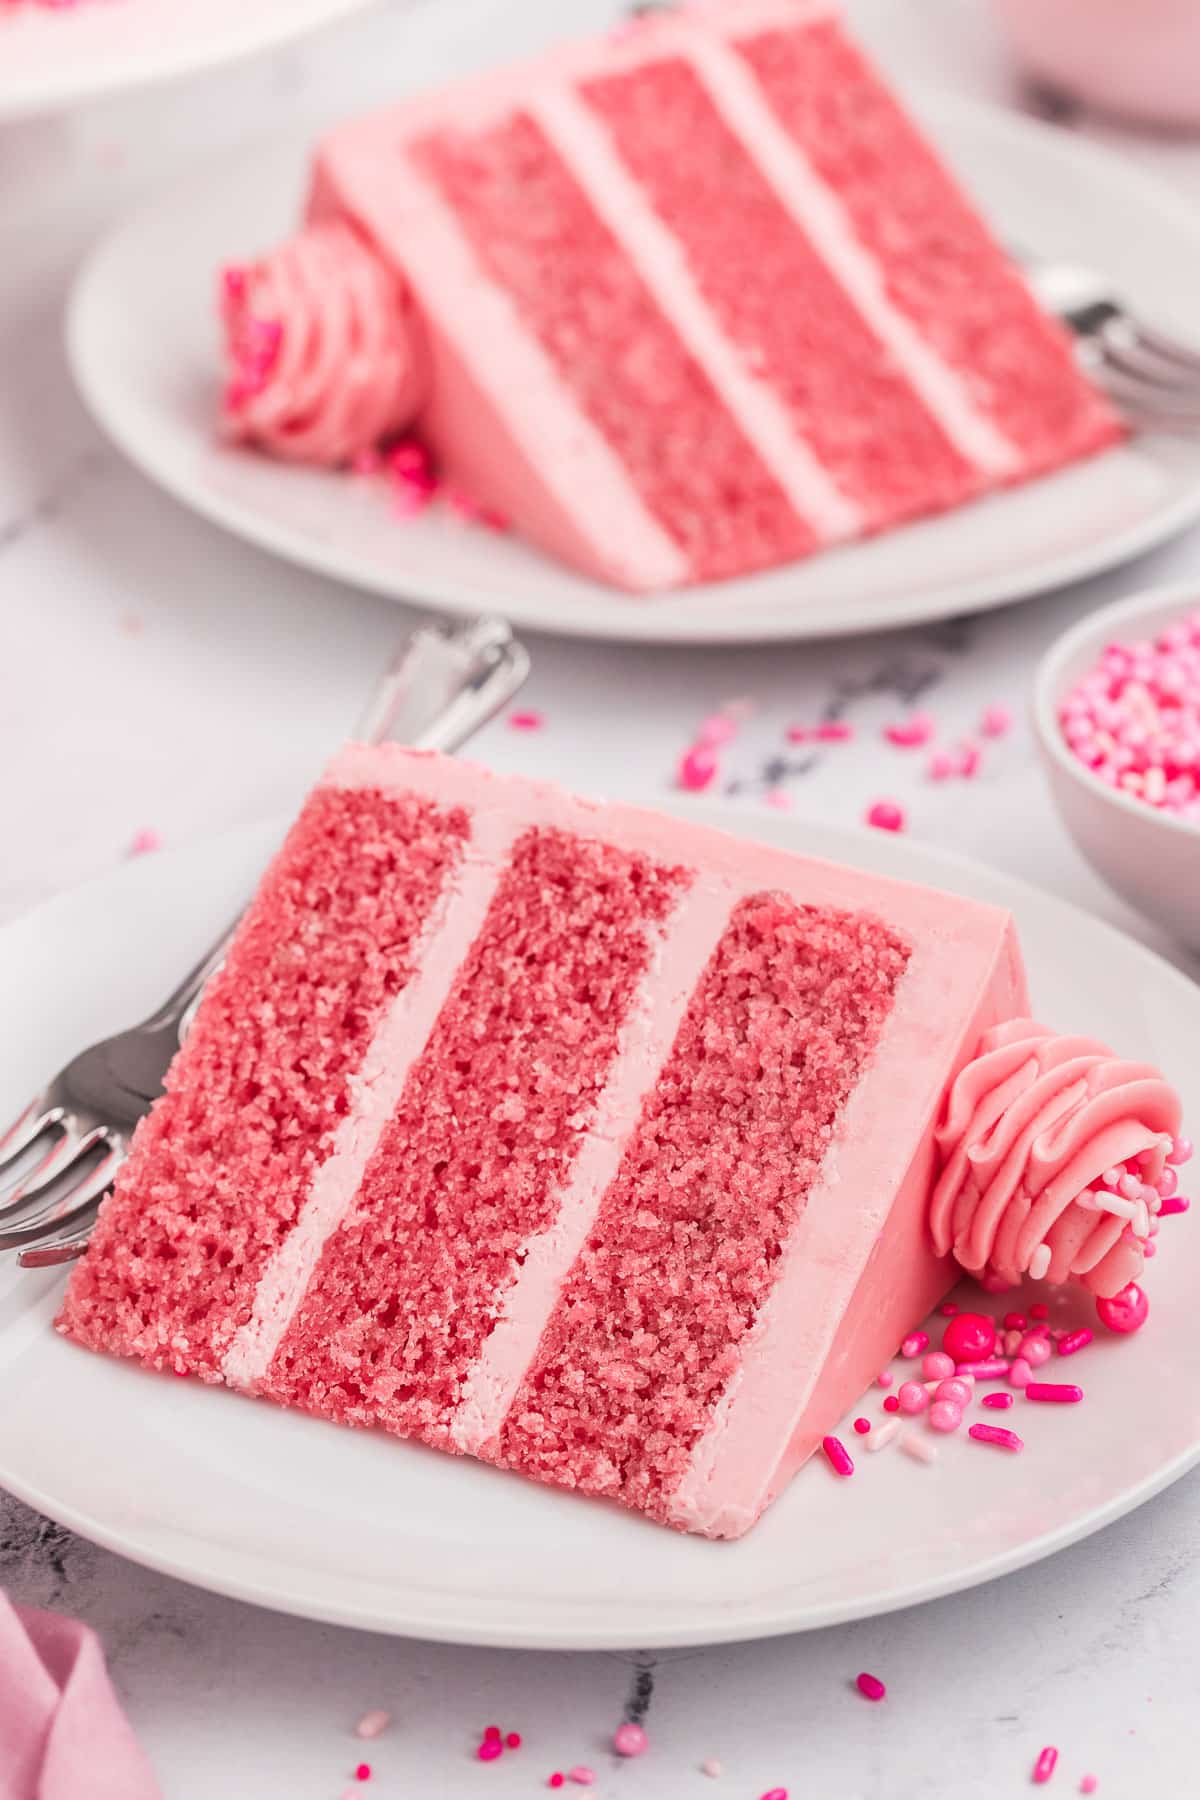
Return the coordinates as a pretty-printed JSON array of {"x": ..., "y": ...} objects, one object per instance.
[{"x": 1117, "y": 714}]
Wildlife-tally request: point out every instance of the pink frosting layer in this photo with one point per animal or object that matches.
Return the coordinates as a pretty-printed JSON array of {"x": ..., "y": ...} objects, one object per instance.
[
  {"x": 1031, "y": 1125},
  {"x": 326, "y": 355}
]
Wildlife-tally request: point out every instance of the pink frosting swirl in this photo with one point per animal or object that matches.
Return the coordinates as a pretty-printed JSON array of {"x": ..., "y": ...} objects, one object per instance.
[
  {"x": 326, "y": 355},
  {"x": 1032, "y": 1125}
]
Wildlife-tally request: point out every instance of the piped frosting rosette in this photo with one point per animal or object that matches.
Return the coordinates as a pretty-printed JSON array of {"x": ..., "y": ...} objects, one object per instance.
[
  {"x": 1056, "y": 1160},
  {"x": 326, "y": 356}
]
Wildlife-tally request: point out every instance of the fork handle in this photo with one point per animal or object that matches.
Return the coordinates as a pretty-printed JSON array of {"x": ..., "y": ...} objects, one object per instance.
[{"x": 443, "y": 686}]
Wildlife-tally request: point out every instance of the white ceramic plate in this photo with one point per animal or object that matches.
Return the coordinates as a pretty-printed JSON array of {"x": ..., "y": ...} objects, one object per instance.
[
  {"x": 144, "y": 349},
  {"x": 51, "y": 59},
  {"x": 361, "y": 1530}
]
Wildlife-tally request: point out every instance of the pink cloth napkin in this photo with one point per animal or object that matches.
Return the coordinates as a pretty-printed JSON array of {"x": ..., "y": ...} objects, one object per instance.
[{"x": 63, "y": 1735}]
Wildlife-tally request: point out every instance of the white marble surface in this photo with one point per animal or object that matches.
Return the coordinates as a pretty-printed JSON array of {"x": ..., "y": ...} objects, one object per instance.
[{"x": 156, "y": 674}]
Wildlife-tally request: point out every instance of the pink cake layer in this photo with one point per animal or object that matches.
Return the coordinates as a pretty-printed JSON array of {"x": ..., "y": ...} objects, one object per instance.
[
  {"x": 698, "y": 298},
  {"x": 627, "y": 1189}
]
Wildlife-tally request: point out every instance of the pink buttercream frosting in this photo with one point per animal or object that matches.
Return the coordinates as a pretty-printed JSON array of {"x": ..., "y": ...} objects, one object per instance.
[
  {"x": 326, "y": 355},
  {"x": 1033, "y": 1127}
]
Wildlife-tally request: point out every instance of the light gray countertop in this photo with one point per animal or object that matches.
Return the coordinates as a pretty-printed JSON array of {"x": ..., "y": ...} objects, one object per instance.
[{"x": 157, "y": 674}]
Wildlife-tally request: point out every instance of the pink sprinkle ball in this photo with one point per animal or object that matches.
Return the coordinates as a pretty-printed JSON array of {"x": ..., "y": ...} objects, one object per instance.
[
  {"x": 870, "y": 1686},
  {"x": 912, "y": 1397},
  {"x": 144, "y": 841},
  {"x": 862, "y": 1426},
  {"x": 884, "y": 1378},
  {"x": 1044, "y": 1767},
  {"x": 697, "y": 769},
  {"x": 996, "y": 721},
  {"x": 891, "y": 1404},
  {"x": 945, "y": 1416},
  {"x": 1088, "y": 1785},
  {"x": 948, "y": 1309},
  {"x": 557, "y": 1779},
  {"x": 513, "y": 1740},
  {"x": 953, "y": 1392},
  {"x": 885, "y": 815},
  {"x": 910, "y": 733},
  {"x": 718, "y": 728},
  {"x": 1180, "y": 1151},
  {"x": 937, "y": 1366},
  {"x": 1134, "y": 719},
  {"x": 363, "y": 1772},
  {"x": 914, "y": 1343},
  {"x": 969, "y": 1337},
  {"x": 1124, "y": 1312},
  {"x": 630, "y": 1740}
]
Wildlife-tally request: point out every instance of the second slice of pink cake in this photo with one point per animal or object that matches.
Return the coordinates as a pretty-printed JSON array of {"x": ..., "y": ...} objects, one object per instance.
[{"x": 576, "y": 1138}]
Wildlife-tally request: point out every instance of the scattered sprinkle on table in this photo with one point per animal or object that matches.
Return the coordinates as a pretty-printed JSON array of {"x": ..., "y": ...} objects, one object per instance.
[
  {"x": 363, "y": 1772},
  {"x": 886, "y": 815},
  {"x": 144, "y": 841},
  {"x": 1088, "y": 1785},
  {"x": 372, "y": 1723},
  {"x": 582, "y": 1775},
  {"x": 526, "y": 721},
  {"x": 711, "y": 1767},
  {"x": 1058, "y": 1393},
  {"x": 697, "y": 769},
  {"x": 839, "y": 1458},
  {"x": 996, "y": 721},
  {"x": 870, "y": 1686},
  {"x": 629, "y": 1739},
  {"x": 995, "y": 1434},
  {"x": 1043, "y": 1768}
]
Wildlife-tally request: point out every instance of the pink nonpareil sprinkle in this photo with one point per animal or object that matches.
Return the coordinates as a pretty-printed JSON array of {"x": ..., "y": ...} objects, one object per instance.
[
  {"x": 912, "y": 1398},
  {"x": 996, "y": 721},
  {"x": 526, "y": 721},
  {"x": 937, "y": 1366},
  {"x": 1056, "y": 1393},
  {"x": 513, "y": 1740},
  {"x": 948, "y": 1309},
  {"x": 942, "y": 765},
  {"x": 1015, "y": 1321},
  {"x": 1020, "y": 1373},
  {"x": 717, "y": 728},
  {"x": 886, "y": 815},
  {"x": 363, "y": 1772},
  {"x": 1074, "y": 1341},
  {"x": 915, "y": 1343},
  {"x": 910, "y": 733},
  {"x": 556, "y": 1780},
  {"x": 945, "y": 1416},
  {"x": 995, "y": 1434},
  {"x": 998, "y": 1402},
  {"x": 1180, "y": 1151},
  {"x": 870, "y": 1686},
  {"x": 372, "y": 1723},
  {"x": 1043, "y": 1768},
  {"x": 630, "y": 1740},
  {"x": 144, "y": 841},
  {"x": 1039, "y": 1310},
  {"x": 697, "y": 769},
  {"x": 862, "y": 1426},
  {"x": 1133, "y": 719},
  {"x": 834, "y": 731},
  {"x": 884, "y": 1378},
  {"x": 891, "y": 1404},
  {"x": 839, "y": 1458},
  {"x": 1088, "y": 1785},
  {"x": 581, "y": 1775}
]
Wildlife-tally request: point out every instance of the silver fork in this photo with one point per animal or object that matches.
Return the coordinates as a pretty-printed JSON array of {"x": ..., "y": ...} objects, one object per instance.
[
  {"x": 1152, "y": 375},
  {"x": 59, "y": 1157}
]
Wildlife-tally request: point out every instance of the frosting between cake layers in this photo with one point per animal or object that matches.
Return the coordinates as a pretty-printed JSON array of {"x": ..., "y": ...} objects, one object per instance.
[
  {"x": 327, "y": 356},
  {"x": 1032, "y": 1125}
]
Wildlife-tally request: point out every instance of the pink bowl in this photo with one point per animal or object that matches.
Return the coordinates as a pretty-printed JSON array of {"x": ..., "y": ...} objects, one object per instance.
[{"x": 1137, "y": 57}]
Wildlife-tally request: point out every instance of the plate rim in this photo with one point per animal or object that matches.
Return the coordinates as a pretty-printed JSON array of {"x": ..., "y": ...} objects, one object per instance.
[
  {"x": 148, "y": 68},
  {"x": 635, "y": 620},
  {"x": 911, "y": 859}
]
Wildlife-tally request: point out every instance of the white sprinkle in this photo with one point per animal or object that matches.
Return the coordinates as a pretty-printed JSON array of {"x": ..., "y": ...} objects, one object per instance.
[
  {"x": 1039, "y": 1262},
  {"x": 372, "y": 1723},
  {"x": 919, "y": 1448},
  {"x": 1115, "y": 1204},
  {"x": 710, "y": 1766},
  {"x": 879, "y": 1440}
]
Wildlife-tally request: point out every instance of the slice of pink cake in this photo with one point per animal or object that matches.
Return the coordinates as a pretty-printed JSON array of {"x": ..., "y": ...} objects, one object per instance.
[
  {"x": 692, "y": 300},
  {"x": 582, "y": 1140}
]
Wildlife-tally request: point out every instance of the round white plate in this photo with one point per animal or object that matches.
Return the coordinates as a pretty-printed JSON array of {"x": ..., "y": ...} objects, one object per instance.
[
  {"x": 51, "y": 59},
  {"x": 362, "y": 1530},
  {"x": 143, "y": 344}
]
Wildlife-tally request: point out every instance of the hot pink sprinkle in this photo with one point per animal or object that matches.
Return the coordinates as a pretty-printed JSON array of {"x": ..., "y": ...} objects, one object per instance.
[
  {"x": 969, "y": 758},
  {"x": 718, "y": 728},
  {"x": 942, "y": 765},
  {"x": 582, "y": 1774},
  {"x": 776, "y": 1794},
  {"x": 799, "y": 734},
  {"x": 1126, "y": 1311},
  {"x": 885, "y": 815},
  {"x": 1059, "y": 1393},
  {"x": 630, "y": 1740},
  {"x": 779, "y": 798},
  {"x": 491, "y": 1733},
  {"x": 870, "y": 1686},
  {"x": 490, "y": 1749},
  {"x": 145, "y": 840},
  {"x": 996, "y": 721},
  {"x": 969, "y": 1336},
  {"x": 372, "y": 1724},
  {"x": 834, "y": 731},
  {"x": 697, "y": 769},
  {"x": 526, "y": 721},
  {"x": 557, "y": 1779},
  {"x": 914, "y": 1343},
  {"x": 363, "y": 1772},
  {"x": 998, "y": 1401},
  {"x": 995, "y": 1434},
  {"x": 1039, "y": 1310},
  {"x": 1043, "y": 1768},
  {"x": 1134, "y": 718},
  {"x": 840, "y": 1460},
  {"x": 1015, "y": 1321},
  {"x": 891, "y": 1404},
  {"x": 513, "y": 1740},
  {"x": 884, "y": 1378},
  {"x": 947, "y": 1309},
  {"x": 1088, "y": 1785},
  {"x": 1074, "y": 1340},
  {"x": 910, "y": 733},
  {"x": 862, "y": 1426},
  {"x": 1174, "y": 1203}
]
